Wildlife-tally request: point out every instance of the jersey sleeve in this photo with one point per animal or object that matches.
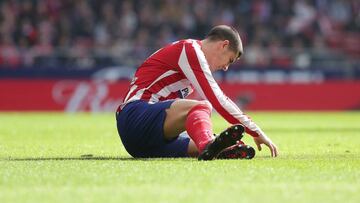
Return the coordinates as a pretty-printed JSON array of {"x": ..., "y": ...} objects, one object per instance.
[{"x": 193, "y": 64}]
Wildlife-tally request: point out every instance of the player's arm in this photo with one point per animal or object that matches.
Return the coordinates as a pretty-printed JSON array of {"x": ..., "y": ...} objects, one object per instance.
[{"x": 193, "y": 64}]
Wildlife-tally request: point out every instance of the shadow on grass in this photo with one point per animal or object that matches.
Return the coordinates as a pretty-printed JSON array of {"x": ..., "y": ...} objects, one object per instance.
[
  {"x": 69, "y": 158},
  {"x": 87, "y": 158}
]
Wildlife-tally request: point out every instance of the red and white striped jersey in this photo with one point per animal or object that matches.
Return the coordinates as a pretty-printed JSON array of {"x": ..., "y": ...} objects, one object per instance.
[{"x": 174, "y": 71}]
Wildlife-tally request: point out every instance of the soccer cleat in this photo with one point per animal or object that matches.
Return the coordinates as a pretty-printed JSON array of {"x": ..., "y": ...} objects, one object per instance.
[
  {"x": 238, "y": 151},
  {"x": 226, "y": 139}
]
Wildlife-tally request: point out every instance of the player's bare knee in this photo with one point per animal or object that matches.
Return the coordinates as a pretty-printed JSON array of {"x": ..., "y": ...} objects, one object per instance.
[{"x": 181, "y": 108}]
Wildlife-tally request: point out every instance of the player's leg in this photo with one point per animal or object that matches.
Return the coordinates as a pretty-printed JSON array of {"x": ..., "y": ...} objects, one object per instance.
[
  {"x": 227, "y": 138},
  {"x": 191, "y": 116},
  {"x": 194, "y": 117},
  {"x": 192, "y": 150},
  {"x": 176, "y": 117},
  {"x": 238, "y": 151}
]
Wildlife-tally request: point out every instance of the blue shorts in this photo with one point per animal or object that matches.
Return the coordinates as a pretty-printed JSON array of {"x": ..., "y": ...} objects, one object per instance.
[{"x": 140, "y": 126}]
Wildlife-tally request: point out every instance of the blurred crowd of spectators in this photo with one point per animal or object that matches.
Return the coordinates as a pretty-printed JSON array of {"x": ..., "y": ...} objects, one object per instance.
[{"x": 90, "y": 33}]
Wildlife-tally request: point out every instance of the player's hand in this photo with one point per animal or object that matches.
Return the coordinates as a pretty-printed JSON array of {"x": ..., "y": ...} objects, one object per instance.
[{"x": 263, "y": 139}]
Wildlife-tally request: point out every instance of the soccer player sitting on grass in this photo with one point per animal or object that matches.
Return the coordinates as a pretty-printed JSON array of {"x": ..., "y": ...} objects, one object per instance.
[{"x": 155, "y": 119}]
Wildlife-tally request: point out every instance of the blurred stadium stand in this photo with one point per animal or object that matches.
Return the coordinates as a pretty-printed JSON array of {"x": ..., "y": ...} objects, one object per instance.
[{"x": 76, "y": 38}]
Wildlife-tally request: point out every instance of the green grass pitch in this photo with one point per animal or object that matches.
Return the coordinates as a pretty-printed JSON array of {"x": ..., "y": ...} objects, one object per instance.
[{"x": 55, "y": 157}]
